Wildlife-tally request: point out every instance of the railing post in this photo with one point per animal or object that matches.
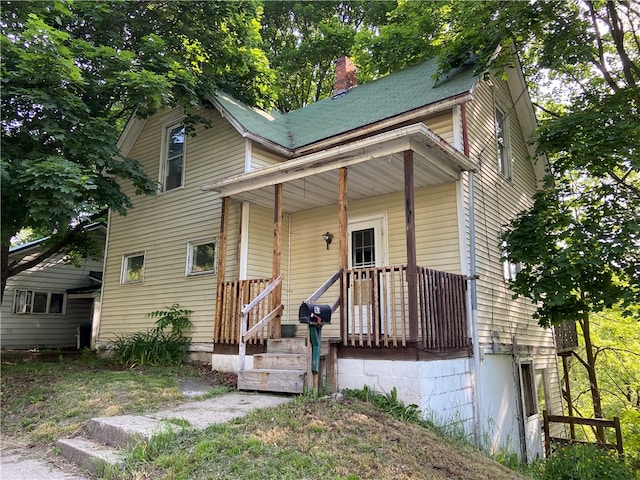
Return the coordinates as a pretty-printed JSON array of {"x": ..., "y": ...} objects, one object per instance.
[
  {"x": 547, "y": 433},
  {"x": 242, "y": 350}
]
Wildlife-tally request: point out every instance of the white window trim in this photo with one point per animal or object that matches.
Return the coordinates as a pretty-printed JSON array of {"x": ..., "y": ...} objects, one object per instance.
[
  {"x": 170, "y": 124},
  {"x": 48, "y": 305},
  {"x": 123, "y": 268},
  {"x": 506, "y": 167},
  {"x": 189, "y": 264}
]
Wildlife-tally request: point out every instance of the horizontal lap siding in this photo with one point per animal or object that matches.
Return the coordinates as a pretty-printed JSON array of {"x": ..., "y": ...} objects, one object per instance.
[
  {"x": 441, "y": 125},
  {"x": 53, "y": 330},
  {"x": 164, "y": 225},
  {"x": 261, "y": 158},
  {"x": 497, "y": 201},
  {"x": 436, "y": 239}
]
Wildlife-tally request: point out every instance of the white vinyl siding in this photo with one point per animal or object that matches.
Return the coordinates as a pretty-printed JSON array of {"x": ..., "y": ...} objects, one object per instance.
[
  {"x": 498, "y": 200},
  {"x": 262, "y": 158},
  {"x": 55, "y": 330},
  {"x": 436, "y": 239},
  {"x": 164, "y": 224},
  {"x": 442, "y": 125}
]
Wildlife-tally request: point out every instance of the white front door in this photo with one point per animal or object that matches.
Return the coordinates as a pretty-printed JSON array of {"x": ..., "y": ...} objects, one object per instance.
[{"x": 367, "y": 249}]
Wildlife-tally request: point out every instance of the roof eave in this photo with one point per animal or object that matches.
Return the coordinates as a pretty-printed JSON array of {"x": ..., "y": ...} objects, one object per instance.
[{"x": 415, "y": 136}]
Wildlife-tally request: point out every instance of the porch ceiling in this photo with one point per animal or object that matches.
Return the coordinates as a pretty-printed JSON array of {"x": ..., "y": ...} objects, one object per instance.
[{"x": 375, "y": 166}]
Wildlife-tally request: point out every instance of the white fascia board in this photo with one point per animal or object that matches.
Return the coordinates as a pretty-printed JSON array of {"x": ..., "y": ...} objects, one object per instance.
[
  {"x": 130, "y": 134},
  {"x": 388, "y": 143}
]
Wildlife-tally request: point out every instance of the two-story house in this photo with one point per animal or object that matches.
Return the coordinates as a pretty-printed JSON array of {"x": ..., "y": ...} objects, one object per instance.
[{"x": 384, "y": 202}]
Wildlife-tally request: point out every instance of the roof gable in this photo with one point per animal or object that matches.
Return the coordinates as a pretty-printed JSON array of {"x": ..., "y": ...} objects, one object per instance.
[{"x": 388, "y": 97}]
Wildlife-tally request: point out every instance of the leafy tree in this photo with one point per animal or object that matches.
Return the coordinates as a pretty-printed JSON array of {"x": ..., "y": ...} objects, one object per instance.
[
  {"x": 579, "y": 243},
  {"x": 303, "y": 40},
  {"x": 616, "y": 345},
  {"x": 73, "y": 72}
]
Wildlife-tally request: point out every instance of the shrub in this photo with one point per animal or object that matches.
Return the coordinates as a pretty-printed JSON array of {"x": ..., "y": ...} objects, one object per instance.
[
  {"x": 165, "y": 344},
  {"x": 583, "y": 462}
]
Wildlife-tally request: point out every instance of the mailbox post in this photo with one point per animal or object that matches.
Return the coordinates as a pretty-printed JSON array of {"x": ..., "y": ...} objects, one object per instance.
[{"x": 315, "y": 316}]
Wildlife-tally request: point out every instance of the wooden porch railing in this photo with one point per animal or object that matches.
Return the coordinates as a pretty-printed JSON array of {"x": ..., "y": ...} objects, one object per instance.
[
  {"x": 592, "y": 422},
  {"x": 376, "y": 307},
  {"x": 378, "y": 313},
  {"x": 235, "y": 295}
]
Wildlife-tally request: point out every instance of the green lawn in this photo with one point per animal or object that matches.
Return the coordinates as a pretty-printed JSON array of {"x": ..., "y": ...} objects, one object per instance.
[{"x": 319, "y": 438}]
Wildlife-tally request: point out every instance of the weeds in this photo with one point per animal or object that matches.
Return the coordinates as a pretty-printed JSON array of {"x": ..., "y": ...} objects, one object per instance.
[{"x": 165, "y": 344}]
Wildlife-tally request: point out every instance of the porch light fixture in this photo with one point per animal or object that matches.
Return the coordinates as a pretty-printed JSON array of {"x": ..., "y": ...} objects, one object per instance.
[{"x": 327, "y": 237}]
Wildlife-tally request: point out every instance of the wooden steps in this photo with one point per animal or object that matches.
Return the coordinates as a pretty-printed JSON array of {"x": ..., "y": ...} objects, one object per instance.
[{"x": 282, "y": 369}]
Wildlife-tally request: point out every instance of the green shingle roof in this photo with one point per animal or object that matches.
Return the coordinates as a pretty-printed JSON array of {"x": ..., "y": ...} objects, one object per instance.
[{"x": 366, "y": 104}]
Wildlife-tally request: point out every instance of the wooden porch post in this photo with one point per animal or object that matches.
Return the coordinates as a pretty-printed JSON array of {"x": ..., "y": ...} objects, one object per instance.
[
  {"x": 412, "y": 272},
  {"x": 277, "y": 229},
  {"x": 222, "y": 254},
  {"x": 343, "y": 245}
]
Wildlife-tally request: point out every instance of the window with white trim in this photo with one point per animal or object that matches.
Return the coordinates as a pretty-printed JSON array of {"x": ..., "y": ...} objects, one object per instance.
[
  {"x": 132, "y": 268},
  {"x": 35, "y": 301},
  {"x": 201, "y": 257},
  {"x": 172, "y": 170},
  {"x": 503, "y": 144}
]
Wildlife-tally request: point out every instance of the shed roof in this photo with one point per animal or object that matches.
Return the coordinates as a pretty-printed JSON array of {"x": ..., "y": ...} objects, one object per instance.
[{"x": 381, "y": 99}]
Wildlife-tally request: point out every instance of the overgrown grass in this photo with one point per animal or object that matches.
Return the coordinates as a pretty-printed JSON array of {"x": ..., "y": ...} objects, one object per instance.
[
  {"x": 316, "y": 438},
  {"x": 42, "y": 402}
]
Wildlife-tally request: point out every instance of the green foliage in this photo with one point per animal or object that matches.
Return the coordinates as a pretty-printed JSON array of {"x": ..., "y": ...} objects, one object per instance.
[
  {"x": 303, "y": 40},
  {"x": 74, "y": 72},
  {"x": 583, "y": 462},
  {"x": 165, "y": 344},
  {"x": 616, "y": 343},
  {"x": 387, "y": 402}
]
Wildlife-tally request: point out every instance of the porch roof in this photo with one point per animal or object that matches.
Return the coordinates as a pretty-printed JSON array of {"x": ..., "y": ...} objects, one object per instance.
[{"x": 375, "y": 168}]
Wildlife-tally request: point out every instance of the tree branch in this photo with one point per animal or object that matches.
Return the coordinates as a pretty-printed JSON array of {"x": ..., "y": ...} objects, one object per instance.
[
  {"x": 600, "y": 65},
  {"x": 55, "y": 248},
  {"x": 617, "y": 33}
]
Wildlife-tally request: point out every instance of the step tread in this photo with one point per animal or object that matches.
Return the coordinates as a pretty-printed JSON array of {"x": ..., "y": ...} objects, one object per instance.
[{"x": 90, "y": 454}]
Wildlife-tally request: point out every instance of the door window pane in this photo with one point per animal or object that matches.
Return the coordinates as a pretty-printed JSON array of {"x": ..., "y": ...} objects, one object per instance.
[{"x": 363, "y": 252}]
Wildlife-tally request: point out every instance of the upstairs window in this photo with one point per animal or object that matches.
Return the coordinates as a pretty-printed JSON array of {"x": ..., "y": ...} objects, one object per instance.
[
  {"x": 33, "y": 301},
  {"x": 502, "y": 141},
  {"x": 201, "y": 257},
  {"x": 173, "y": 158},
  {"x": 132, "y": 268}
]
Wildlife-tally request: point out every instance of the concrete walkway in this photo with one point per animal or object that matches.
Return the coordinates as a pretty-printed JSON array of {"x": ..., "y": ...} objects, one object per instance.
[{"x": 199, "y": 413}]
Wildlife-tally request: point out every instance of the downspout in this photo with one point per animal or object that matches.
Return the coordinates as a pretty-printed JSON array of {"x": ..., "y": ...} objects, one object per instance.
[
  {"x": 473, "y": 288},
  {"x": 97, "y": 312},
  {"x": 473, "y": 284}
]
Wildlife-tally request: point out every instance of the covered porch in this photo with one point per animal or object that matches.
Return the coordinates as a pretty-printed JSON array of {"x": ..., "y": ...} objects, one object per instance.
[{"x": 385, "y": 307}]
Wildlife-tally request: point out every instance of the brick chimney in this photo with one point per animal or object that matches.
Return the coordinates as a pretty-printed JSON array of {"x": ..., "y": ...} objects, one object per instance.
[{"x": 345, "y": 76}]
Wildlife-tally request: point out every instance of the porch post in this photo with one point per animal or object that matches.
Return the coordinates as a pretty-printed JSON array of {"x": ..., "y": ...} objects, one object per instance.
[
  {"x": 222, "y": 254},
  {"x": 412, "y": 272},
  {"x": 277, "y": 228},
  {"x": 342, "y": 245}
]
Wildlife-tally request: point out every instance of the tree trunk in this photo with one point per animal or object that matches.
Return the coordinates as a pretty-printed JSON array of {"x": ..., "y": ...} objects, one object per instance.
[{"x": 593, "y": 380}]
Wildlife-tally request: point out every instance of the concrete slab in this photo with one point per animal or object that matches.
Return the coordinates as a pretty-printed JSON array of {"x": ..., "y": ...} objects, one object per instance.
[
  {"x": 15, "y": 467},
  {"x": 200, "y": 414}
]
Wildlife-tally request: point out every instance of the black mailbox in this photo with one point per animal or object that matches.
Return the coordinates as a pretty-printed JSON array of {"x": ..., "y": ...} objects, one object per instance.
[{"x": 314, "y": 314}]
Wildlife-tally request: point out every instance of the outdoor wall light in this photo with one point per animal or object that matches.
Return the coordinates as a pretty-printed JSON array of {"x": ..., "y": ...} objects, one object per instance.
[{"x": 327, "y": 237}]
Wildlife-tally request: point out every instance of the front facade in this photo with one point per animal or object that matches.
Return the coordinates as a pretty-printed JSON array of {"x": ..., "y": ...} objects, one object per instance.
[{"x": 391, "y": 196}]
